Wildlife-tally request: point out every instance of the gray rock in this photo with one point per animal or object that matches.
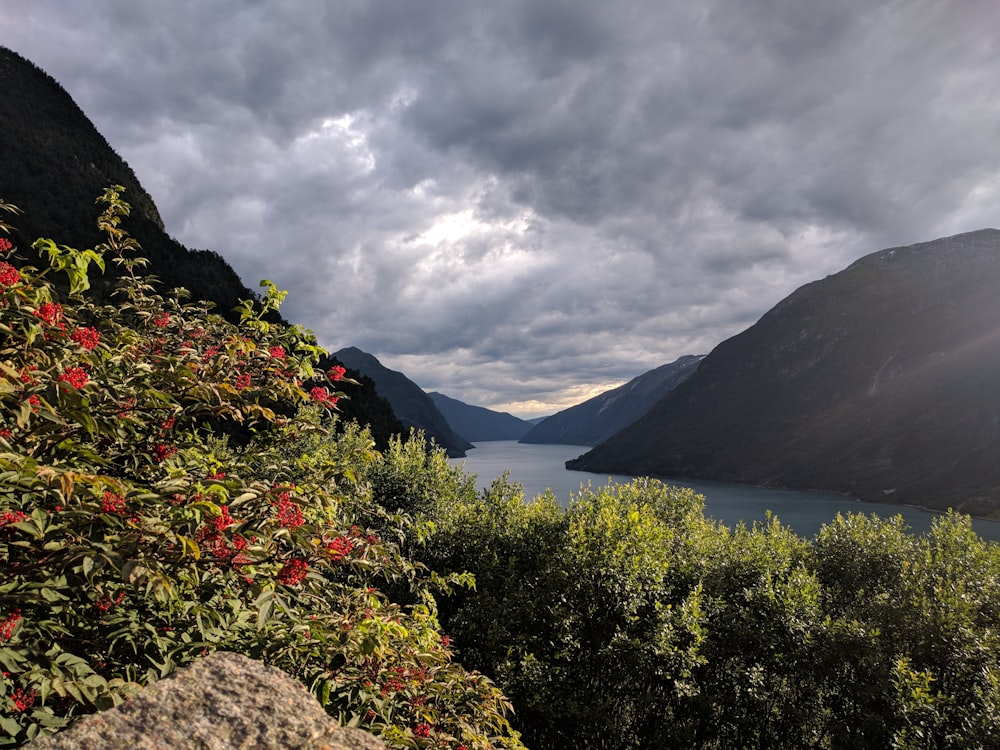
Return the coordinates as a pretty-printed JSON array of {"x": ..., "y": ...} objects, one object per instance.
[{"x": 222, "y": 702}]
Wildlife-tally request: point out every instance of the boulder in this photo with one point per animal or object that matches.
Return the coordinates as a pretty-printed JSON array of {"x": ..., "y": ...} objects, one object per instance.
[{"x": 224, "y": 701}]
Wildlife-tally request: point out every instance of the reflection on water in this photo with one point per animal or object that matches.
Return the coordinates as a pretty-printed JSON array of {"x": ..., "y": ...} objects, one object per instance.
[{"x": 541, "y": 467}]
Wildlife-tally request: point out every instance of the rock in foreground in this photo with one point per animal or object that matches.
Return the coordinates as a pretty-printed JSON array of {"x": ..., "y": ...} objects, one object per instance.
[{"x": 222, "y": 702}]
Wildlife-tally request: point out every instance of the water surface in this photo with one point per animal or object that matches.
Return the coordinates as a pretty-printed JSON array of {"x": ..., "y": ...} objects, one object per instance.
[{"x": 541, "y": 467}]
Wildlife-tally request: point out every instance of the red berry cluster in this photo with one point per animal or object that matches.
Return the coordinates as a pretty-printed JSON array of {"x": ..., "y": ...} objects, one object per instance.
[
  {"x": 293, "y": 572},
  {"x": 87, "y": 337},
  {"x": 8, "y": 624},
  {"x": 112, "y": 503},
  {"x": 75, "y": 376},
  {"x": 289, "y": 514},
  {"x": 8, "y": 274}
]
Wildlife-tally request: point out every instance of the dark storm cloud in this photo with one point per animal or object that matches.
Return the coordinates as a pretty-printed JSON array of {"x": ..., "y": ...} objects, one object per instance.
[{"x": 521, "y": 203}]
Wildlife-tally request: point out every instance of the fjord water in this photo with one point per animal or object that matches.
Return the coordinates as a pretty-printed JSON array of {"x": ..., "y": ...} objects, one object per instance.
[{"x": 541, "y": 467}]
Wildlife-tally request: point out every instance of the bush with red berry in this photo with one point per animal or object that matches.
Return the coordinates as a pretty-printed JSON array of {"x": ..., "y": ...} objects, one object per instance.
[{"x": 170, "y": 485}]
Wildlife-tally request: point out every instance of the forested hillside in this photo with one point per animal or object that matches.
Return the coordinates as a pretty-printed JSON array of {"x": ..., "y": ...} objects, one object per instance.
[
  {"x": 414, "y": 407},
  {"x": 54, "y": 163},
  {"x": 477, "y": 423}
]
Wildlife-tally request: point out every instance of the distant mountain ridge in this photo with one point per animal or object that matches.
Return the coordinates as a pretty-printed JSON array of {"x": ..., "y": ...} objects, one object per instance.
[
  {"x": 597, "y": 419},
  {"x": 477, "y": 423},
  {"x": 411, "y": 404},
  {"x": 881, "y": 382}
]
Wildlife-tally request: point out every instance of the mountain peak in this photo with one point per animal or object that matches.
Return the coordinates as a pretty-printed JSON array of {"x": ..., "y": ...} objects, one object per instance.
[
  {"x": 477, "y": 423},
  {"x": 413, "y": 407},
  {"x": 597, "y": 419}
]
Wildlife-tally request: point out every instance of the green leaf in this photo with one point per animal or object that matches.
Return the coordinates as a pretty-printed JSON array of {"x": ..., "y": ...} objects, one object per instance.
[
  {"x": 11, "y": 660},
  {"x": 51, "y": 595},
  {"x": 264, "y": 604}
]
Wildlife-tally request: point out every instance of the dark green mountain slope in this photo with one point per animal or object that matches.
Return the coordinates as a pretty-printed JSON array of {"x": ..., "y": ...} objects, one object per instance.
[
  {"x": 881, "y": 381},
  {"x": 53, "y": 165},
  {"x": 597, "y": 419},
  {"x": 477, "y": 423},
  {"x": 413, "y": 407}
]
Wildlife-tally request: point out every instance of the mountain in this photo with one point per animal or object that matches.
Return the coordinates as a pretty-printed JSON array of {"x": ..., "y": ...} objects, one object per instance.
[
  {"x": 53, "y": 165},
  {"x": 413, "y": 407},
  {"x": 881, "y": 382},
  {"x": 597, "y": 419},
  {"x": 477, "y": 423}
]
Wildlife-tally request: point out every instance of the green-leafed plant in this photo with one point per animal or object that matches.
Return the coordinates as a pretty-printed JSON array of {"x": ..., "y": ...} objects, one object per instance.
[
  {"x": 629, "y": 620},
  {"x": 170, "y": 485}
]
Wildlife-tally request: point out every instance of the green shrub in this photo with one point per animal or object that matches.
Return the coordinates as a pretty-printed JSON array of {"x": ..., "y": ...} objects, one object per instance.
[
  {"x": 629, "y": 620},
  {"x": 170, "y": 485}
]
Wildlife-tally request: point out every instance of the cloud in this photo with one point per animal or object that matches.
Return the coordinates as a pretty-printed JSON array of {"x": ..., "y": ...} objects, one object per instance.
[{"x": 515, "y": 203}]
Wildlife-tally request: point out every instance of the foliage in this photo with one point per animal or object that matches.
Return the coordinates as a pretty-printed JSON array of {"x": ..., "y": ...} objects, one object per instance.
[
  {"x": 171, "y": 484},
  {"x": 629, "y": 620}
]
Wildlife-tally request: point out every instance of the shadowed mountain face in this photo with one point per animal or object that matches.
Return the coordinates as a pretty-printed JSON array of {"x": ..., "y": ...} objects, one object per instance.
[
  {"x": 413, "y": 407},
  {"x": 881, "y": 382},
  {"x": 597, "y": 419},
  {"x": 477, "y": 423},
  {"x": 54, "y": 164}
]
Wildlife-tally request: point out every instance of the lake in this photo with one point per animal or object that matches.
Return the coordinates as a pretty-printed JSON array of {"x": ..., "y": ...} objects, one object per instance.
[{"x": 541, "y": 467}]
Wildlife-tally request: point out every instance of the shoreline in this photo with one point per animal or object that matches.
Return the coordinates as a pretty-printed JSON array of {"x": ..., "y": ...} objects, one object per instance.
[
  {"x": 537, "y": 467},
  {"x": 679, "y": 481}
]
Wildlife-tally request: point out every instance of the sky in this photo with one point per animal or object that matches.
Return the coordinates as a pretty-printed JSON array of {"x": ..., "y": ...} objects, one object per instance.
[{"x": 523, "y": 203}]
